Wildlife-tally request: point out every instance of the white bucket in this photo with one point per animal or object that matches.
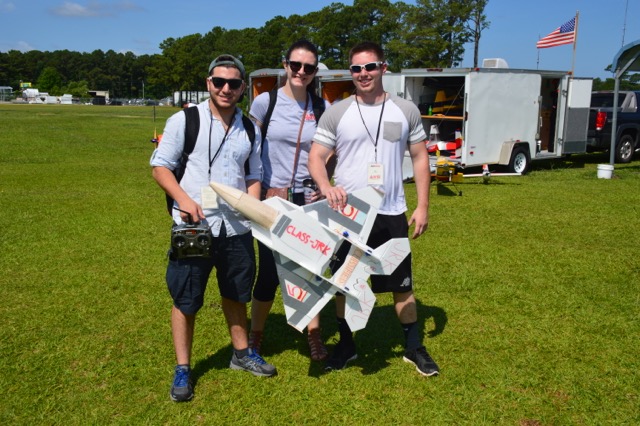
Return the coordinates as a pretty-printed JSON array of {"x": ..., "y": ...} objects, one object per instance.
[{"x": 605, "y": 171}]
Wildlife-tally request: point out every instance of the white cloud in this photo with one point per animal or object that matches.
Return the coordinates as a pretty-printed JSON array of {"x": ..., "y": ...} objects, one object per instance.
[
  {"x": 22, "y": 46},
  {"x": 77, "y": 10},
  {"x": 92, "y": 9},
  {"x": 127, "y": 5},
  {"x": 6, "y": 6}
]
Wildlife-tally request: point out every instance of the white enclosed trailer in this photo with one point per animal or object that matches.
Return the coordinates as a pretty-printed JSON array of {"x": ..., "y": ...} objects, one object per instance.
[{"x": 501, "y": 116}]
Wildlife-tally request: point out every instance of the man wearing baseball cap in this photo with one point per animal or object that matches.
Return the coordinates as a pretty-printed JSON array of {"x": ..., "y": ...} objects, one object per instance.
[{"x": 223, "y": 153}]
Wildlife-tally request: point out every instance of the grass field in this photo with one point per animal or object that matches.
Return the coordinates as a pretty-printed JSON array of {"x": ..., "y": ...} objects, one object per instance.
[{"x": 529, "y": 291}]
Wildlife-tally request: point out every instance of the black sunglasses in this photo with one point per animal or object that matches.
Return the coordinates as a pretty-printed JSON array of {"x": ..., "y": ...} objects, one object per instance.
[
  {"x": 308, "y": 68},
  {"x": 368, "y": 67},
  {"x": 219, "y": 82}
]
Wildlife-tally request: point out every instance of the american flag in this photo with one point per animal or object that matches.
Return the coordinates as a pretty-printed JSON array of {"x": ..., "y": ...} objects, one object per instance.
[{"x": 565, "y": 34}]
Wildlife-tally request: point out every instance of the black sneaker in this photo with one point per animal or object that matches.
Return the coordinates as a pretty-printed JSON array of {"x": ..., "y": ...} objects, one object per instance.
[
  {"x": 252, "y": 363},
  {"x": 342, "y": 354},
  {"x": 181, "y": 389},
  {"x": 425, "y": 365}
]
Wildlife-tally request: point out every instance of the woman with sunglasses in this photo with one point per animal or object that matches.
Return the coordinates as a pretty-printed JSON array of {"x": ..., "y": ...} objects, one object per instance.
[{"x": 285, "y": 152}]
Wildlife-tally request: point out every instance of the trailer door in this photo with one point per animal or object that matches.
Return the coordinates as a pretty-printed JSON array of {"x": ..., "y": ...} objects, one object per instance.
[
  {"x": 500, "y": 107},
  {"x": 573, "y": 115}
]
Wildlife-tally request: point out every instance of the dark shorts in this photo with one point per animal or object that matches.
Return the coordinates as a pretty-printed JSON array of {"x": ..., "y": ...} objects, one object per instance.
[
  {"x": 385, "y": 228},
  {"x": 267, "y": 281},
  {"x": 234, "y": 260}
]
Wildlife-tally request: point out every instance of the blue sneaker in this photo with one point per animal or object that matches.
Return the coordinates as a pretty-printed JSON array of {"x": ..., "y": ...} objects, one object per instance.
[
  {"x": 252, "y": 363},
  {"x": 181, "y": 389}
]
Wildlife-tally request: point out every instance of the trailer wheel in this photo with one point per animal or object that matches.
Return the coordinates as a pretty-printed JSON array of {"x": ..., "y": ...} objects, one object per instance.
[
  {"x": 624, "y": 149},
  {"x": 520, "y": 161}
]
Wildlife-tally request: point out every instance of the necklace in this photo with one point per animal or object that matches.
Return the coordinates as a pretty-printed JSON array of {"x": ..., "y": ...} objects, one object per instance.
[
  {"x": 374, "y": 142},
  {"x": 226, "y": 133}
]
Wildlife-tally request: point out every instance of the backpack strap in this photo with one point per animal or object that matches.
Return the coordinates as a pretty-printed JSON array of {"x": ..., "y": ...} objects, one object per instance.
[
  {"x": 248, "y": 127},
  {"x": 251, "y": 132},
  {"x": 273, "y": 97},
  {"x": 191, "y": 129},
  {"x": 192, "y": 126},
  {"x": 318, "y": 105}
]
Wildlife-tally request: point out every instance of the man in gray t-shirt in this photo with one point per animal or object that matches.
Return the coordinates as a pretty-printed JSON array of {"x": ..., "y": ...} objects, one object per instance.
[{"x": 369, "y": 133}]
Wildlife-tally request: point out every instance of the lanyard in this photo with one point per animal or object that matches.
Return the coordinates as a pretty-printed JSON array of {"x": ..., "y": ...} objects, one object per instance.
[
  {"x": 375, "y": 143},
  {"x": 212, "y": 160}
]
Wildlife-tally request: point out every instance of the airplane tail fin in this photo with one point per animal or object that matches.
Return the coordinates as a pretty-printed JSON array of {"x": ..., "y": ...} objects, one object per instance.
[
  {"x": 358, "y": 307},
  {"x": 386, "y": 258},
  {"x": 352, "y": 277},
  {"x": 304, "y": 294}
]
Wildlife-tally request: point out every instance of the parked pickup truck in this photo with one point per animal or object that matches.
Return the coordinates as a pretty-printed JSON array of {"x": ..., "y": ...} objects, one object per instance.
[{"x": 601, "y": 121}]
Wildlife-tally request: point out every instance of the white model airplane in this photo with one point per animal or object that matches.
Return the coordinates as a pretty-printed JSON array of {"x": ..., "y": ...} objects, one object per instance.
[{"x": 303, "y": 241}]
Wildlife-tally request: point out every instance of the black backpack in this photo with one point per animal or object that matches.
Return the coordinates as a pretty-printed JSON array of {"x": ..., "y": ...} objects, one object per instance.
[
  {"x": 191, "y": 129},
  {"x": 316, "y": 102}
]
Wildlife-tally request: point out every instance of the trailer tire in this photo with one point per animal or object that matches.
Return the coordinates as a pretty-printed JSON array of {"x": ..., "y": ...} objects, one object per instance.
[
  {"x": 624, "y": 149},
  {"x": 520, "y": 161}
]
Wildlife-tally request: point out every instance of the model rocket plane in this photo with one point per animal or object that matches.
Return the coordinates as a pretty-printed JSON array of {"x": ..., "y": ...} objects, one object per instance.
[{"x": 305, "y": 240}]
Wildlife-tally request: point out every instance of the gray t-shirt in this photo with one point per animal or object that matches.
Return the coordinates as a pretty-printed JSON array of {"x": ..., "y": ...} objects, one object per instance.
[
  {"x": 279, "y": 148},
  {"x": 351, "y": 129}
]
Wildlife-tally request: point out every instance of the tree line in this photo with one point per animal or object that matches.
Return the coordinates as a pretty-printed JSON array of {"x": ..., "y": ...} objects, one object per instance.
[{"x": 431, "y": 33}]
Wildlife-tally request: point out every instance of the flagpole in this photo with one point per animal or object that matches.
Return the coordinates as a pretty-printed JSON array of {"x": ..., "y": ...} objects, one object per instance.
[
  {"x": 538, "y": 59},
  {"x": 575, "y": 42}
]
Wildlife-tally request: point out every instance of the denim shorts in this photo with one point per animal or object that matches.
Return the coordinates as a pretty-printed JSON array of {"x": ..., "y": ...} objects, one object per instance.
[{"x": 234, "y": 260}]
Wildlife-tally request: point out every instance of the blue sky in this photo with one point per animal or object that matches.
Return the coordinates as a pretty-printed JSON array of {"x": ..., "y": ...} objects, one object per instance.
[{"x": 141, "y": 25}]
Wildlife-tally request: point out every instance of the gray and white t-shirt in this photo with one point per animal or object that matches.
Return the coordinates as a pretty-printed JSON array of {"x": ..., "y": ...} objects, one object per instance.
[{"x": 351, "y": 129}]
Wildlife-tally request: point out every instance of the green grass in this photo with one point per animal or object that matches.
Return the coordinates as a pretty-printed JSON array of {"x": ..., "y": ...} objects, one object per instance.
[{"x": 529, "y": 291}]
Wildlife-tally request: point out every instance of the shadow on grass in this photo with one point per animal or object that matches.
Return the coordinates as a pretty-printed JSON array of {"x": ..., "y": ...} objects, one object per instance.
[
  {"x": 378, "y": 342},
  {"x": 218, "y": 361},
  {"x": 375, "y": 343},
  {"x": 447, "y": 189},
  {"x": 278, "y": 337},
  {"x": 569, "y": 161},
  {"x": 450, "y": 189},
  {"x": 580, "y": 161}
]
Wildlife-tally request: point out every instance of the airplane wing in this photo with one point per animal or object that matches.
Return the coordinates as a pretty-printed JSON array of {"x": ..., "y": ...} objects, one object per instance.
[
  {"x": 304, "y": 241},
  {"x": 299, "y": 237},
  {"x": 308, "y": 286},
  {"x": 304, "y": 294},
  {"x": 357, "y": 217}
]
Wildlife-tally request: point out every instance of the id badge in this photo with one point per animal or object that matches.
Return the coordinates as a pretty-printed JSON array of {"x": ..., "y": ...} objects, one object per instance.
[
  {"x": 209, "y": 198},
  {"x": 375, "y": 174}
]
